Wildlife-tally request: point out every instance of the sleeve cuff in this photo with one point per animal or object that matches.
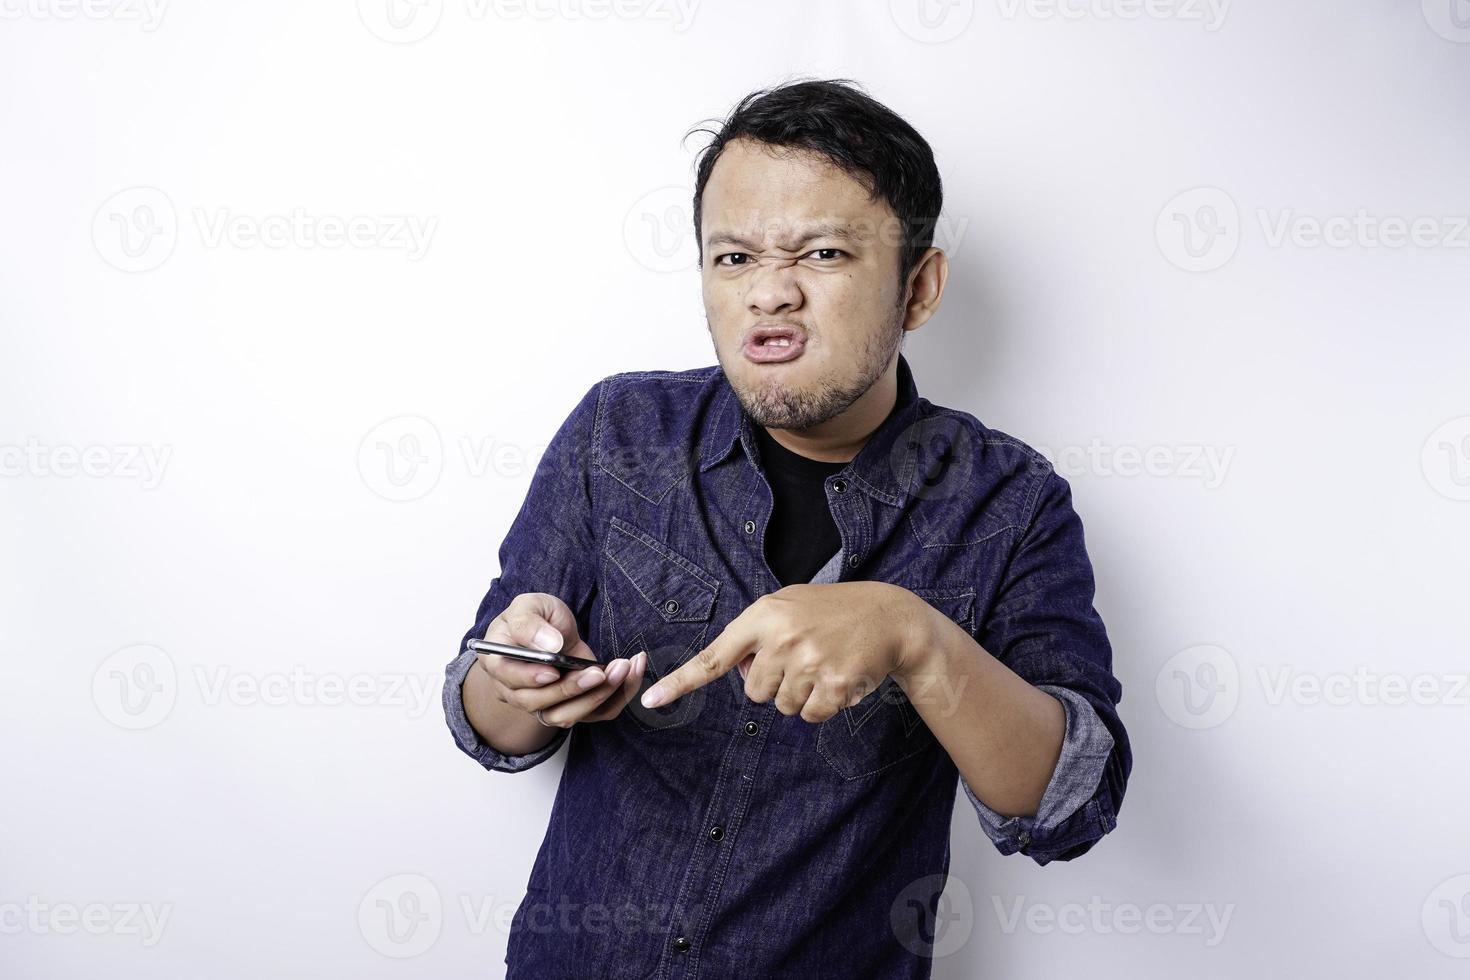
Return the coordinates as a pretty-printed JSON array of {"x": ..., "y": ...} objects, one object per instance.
[
  {"x": 1085, "y": 750},
  {"x": 469, "y": 740}
]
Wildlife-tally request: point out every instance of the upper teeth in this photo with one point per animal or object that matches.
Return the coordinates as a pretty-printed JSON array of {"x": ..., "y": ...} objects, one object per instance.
[{"x": 779, "y": 341}]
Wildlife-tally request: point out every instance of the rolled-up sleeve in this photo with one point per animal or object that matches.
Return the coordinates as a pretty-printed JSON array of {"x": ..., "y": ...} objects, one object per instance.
[
  {"x": 549, "y": 548},
  {"x": 1044, "y": 627},
  {"x": 469, "y": 740}
]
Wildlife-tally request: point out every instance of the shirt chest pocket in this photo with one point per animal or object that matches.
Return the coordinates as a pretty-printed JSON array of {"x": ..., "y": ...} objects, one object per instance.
[
  {"x": 884, "y": 728},
  {"x": 656, "y": 599}
]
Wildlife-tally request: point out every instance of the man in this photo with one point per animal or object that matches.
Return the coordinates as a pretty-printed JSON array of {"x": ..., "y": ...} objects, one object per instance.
[{"x": 904, "y": 595}]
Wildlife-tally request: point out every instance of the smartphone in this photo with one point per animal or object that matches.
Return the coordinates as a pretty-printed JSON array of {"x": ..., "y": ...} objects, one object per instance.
[{"x": 531, "y": 656}]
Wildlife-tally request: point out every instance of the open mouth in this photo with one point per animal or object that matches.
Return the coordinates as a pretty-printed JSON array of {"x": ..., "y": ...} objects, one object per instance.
[{"x": 772, "y": 345}]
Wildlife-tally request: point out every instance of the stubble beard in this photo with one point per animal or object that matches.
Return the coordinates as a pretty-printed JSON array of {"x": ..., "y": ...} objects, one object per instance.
[{"x": 774, "y": 404}]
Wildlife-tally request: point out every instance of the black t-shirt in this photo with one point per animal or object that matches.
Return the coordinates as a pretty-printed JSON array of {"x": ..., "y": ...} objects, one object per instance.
[{"x": 802, "y": 537}]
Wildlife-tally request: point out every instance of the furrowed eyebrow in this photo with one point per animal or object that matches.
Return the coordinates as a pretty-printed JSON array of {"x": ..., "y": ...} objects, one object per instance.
[{"x": 832, "y": 229}]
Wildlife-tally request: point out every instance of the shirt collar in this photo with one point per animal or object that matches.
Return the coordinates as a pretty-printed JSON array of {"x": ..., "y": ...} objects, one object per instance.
[{"x": 883, "y": 466}]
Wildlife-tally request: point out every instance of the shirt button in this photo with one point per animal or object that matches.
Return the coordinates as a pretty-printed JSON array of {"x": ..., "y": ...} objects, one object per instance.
[
  {"x": 852, "y": 561},
  {"x": 671, "y": 606},
  {"x": 839, "y": 486},
  {"x": 1024, "y": 839},
  {"x": 751, "y": 728},
  {"x": 681, "y": 944},
  {"x": 750, "y": 527},
  {"x": 717, "y": 833}
]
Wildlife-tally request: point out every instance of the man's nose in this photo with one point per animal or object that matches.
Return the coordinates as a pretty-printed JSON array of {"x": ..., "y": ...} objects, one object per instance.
[{"x": 773, "y": 284}]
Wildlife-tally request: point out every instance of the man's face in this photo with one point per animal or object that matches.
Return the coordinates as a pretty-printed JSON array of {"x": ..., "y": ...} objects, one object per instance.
[{"x": 843, "y": 289}]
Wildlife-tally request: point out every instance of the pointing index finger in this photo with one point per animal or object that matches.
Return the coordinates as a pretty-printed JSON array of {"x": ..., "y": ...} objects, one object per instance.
[{"x": 712, "y": 662}]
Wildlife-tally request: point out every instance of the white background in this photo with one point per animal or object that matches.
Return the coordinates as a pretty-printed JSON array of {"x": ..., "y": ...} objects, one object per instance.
[{"x": 1117, "y": 191}]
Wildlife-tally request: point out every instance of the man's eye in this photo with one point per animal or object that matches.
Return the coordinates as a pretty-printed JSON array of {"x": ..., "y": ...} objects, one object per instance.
[{"x": 746, "y": 258}]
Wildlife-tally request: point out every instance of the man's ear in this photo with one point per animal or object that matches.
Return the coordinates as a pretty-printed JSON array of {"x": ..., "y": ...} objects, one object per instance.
[{"x": 926, "y": 287}]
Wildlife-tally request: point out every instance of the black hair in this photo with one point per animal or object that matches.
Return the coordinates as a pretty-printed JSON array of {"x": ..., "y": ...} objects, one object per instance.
[{"x": 861, "y": 136}]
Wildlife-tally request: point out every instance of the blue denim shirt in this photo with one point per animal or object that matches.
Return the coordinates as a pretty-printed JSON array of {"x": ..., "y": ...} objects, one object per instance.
[{"x": 716, "y": 837}]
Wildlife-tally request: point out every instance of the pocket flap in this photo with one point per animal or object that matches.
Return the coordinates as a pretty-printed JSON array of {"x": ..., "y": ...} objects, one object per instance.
[
  {"x": 956, "y": 602},
  {"x": 679, "y": 589}
]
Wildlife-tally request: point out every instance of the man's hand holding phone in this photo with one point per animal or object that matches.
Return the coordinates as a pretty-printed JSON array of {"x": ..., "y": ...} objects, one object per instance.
[{"x": 556, "y": 697}]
